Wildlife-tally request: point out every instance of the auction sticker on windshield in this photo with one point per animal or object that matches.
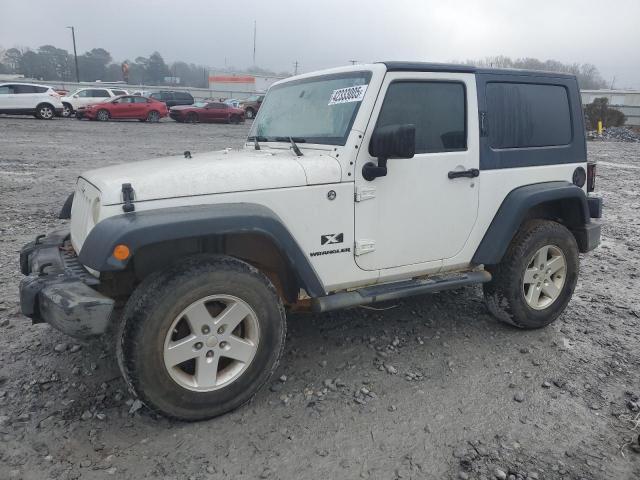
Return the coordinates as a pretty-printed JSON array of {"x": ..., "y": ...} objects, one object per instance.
[{"x": 349, "y": 94}]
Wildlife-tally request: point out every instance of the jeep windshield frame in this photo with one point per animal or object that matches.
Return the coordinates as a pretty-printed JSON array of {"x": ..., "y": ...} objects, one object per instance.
[{"x": 301, "y": 109}]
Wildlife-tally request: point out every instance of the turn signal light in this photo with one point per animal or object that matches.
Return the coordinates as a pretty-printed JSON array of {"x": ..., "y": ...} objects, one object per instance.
[{"x": 121, "y": 252}]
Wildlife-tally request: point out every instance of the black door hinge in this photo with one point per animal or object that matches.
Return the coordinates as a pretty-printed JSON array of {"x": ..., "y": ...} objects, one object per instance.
[
  {"x": 127, "y": 198},
  {"x": 483, "y": 124}
]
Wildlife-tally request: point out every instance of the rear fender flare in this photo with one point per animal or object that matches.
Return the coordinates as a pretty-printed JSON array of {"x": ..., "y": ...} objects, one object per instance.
[{"x": 513, "y": 211}]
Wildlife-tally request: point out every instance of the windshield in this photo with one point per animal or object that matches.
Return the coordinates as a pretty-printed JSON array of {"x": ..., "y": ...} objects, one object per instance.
[{"x": 313, "y": 110}]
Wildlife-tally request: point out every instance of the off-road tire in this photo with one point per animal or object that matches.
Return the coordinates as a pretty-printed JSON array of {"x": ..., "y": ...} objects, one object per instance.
[
  {"x": 155, "y": 304},
  {"x": 504, "y": 295},
  {"x": 249, "y": 113}
]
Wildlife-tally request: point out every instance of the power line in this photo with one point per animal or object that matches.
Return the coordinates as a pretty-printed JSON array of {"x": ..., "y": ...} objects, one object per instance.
[{"x": 254, "y": 42}]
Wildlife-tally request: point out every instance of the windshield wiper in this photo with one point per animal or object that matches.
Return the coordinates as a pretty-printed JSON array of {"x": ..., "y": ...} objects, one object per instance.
[
  {"x": 289, "y": 139},
  {"x": 295, "y": 148},
  {"x": 255, "y": 140}
]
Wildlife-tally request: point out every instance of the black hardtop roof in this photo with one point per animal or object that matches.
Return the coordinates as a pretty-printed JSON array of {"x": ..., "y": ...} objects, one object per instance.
[{"x": 452, "y": 67}]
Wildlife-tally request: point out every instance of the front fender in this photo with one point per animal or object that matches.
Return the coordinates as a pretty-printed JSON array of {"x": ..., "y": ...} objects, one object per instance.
[{"x": 139, "y": 229}]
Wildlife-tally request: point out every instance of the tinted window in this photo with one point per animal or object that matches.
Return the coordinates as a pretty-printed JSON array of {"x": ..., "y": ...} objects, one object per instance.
[
  {"x": 98, "y": 93},
  {"x": 185, "y": 97},
  {"x": 437, "y": 109},
  {"x": 217, "y": 105},
  {"x": 119, "y": 92},
  {"x": 527, "y": 115},
  {"x": 138, "y": 99},
  {"x": 24, "y": 89},
  {"x": 41, "y": 89},
  {"x": 84, "y": 93}
]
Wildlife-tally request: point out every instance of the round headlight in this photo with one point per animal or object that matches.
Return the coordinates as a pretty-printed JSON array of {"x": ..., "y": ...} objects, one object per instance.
[{"x": 95, "y": 210}]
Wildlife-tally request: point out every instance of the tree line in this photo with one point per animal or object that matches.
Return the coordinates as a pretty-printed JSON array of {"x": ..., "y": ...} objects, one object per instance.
[
  {"x": 51, "y": 63},
  {"x": 57, "y": 64},
  {"x": 588, "y": 76}
]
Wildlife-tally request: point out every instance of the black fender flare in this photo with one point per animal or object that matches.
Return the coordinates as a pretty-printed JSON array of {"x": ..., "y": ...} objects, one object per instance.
[
  {"x": 138, "y": 229},
  {"x": 513, "y": 211}
]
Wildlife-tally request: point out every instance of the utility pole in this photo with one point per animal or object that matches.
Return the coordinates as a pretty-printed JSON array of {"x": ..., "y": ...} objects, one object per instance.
[
  {"x": 75, "y": 53},
  {"x": 295, "y": 67},
  {"x": 353, "y": 62},
  {"x": 254, "y": 42}
]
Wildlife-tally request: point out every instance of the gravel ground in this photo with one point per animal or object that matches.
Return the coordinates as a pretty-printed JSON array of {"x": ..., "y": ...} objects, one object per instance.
[{"x": 430, "y": 387}]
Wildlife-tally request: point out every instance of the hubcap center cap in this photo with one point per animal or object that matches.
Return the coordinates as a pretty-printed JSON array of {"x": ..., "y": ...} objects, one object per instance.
[{"x": 212, "y": 341}]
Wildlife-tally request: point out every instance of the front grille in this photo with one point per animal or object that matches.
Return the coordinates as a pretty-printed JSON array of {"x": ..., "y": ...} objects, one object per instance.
[{"x": 81, "y": 212}]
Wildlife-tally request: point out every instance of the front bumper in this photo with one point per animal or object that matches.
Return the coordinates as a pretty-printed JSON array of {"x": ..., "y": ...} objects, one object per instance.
[{"x": 58, "y": 290}]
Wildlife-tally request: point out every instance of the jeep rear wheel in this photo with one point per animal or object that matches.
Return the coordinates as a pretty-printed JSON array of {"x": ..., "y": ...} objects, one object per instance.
[
  {"x": 535, "y": 280},
  {"x": 200, "y": 338},
  {"x": 249, "y": 113}
]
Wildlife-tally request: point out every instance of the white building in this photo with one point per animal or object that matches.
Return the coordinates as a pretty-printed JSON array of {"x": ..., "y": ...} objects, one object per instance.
[{"x": 627, "y": 101}]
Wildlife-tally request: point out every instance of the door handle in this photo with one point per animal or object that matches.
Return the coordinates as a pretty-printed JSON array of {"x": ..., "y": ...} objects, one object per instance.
[{"x": 471, "y": 173}]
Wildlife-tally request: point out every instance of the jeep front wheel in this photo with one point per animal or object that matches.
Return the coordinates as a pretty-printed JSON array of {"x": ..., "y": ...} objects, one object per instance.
[
  {"x": 200, "y": 338},
  {"x": 534, "y": 282}
]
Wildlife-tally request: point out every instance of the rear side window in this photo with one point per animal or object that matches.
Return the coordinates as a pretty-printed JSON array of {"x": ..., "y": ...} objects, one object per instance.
[
  {"x": 183, "y": 96},
  {"x": 522, "y": 115},
  {"x": 138, "y": 99},
  {"x": 24, "y": 89},
  {"x": 119, "y": 92},
  {"x": 41, "y": 89},
  {"x": 437, "y": 109}
]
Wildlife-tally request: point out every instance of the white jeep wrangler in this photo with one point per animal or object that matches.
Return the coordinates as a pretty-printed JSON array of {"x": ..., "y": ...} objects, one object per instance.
[{"x": 356, "y": 185}]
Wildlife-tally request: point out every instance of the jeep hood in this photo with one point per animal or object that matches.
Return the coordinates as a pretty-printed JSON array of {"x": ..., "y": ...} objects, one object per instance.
[{"x": 214, "y": 172}]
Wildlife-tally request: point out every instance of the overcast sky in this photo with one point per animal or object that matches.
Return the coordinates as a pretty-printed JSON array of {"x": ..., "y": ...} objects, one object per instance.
[{"x": 326, "y": 33}]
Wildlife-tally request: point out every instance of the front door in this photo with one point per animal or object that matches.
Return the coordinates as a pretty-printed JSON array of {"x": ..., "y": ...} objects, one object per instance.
[{"x": 417, "y": 213}]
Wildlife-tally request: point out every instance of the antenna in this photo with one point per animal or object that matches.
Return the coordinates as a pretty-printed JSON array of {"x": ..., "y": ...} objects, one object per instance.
[
  {"x": 295, "y": 67},
  {"x": 254, "y": 42}
]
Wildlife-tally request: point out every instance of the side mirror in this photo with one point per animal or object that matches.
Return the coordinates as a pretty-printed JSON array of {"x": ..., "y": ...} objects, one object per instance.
[{"x": 392, "y": 141}]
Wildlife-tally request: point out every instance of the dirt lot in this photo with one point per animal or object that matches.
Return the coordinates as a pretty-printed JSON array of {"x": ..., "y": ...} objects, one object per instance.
[{"x": 430, "y": 387}]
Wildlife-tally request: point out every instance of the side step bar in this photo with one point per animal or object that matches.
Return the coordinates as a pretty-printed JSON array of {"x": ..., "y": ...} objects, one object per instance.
[{"x": 394, "y": 291}]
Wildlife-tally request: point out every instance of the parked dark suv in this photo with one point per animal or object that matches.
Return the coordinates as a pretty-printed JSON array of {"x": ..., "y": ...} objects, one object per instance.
[{"x": 171, "y": 99}]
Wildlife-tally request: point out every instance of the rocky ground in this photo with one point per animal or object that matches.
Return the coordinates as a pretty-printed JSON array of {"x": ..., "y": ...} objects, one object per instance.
[{"x": 426, "y": 388}]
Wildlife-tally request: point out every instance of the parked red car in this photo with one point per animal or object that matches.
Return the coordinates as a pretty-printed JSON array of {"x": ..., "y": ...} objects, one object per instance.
[
  {"x": 125, "y": 107},
  {"x": 207, "y": 112}
]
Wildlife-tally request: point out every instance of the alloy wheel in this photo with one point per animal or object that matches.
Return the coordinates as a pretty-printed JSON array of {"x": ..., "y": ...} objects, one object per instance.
[
  {"x": 211, "y": 343},
  {"x": 46, "y": 112},
  {"x": 544, "y": 277}
]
